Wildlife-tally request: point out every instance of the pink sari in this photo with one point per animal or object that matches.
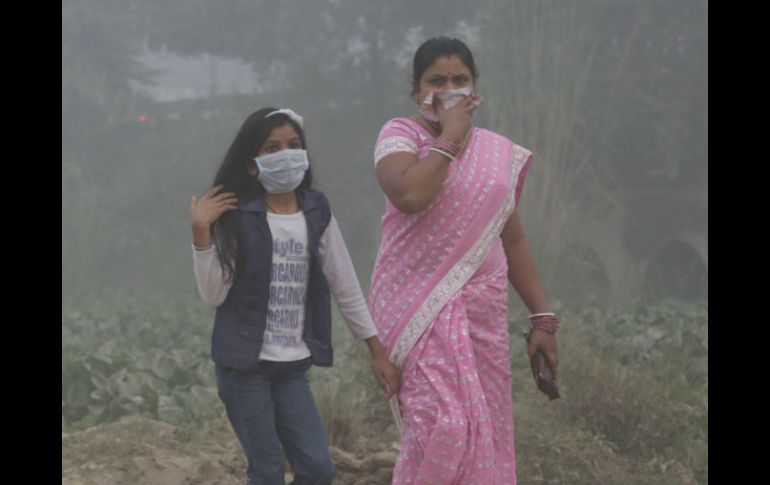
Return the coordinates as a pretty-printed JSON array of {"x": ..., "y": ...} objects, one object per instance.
[{"x": 439, "y": 300}]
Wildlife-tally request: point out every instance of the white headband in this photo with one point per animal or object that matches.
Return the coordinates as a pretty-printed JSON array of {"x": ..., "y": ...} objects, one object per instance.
[{"x": 291, "y": 114}]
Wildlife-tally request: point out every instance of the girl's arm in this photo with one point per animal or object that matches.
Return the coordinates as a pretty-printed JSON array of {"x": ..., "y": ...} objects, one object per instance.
[
  {"x": 208, "y": 270},
  {"x": 209, "y": 276},
  {"x": 344, "y": 285}
]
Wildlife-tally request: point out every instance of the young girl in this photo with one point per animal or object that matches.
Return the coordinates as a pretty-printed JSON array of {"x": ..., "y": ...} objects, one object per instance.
[{"x": 267, "y": 253}]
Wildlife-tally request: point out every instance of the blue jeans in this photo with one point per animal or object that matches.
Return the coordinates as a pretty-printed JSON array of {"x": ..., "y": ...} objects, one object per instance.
[{"x": 272, "y": 411}]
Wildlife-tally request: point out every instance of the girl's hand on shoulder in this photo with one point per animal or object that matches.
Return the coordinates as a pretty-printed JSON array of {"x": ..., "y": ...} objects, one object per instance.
[{"x": 206, "y": 210}]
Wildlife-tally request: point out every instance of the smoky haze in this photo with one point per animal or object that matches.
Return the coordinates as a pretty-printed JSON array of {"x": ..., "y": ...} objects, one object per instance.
[{"x": 611, "y": 96}]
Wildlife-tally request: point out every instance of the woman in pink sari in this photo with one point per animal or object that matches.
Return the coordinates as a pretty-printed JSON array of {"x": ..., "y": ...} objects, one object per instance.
[{"x": 451, "y": 242}]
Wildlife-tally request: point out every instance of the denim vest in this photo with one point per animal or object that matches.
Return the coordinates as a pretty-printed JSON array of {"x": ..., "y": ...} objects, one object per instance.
[{"x": 239, "y": 324}]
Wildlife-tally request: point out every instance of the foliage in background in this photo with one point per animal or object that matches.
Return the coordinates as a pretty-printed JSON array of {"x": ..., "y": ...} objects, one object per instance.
[
  {"x": 634, "y": 406},
  {"x": 609, "y": 95}
]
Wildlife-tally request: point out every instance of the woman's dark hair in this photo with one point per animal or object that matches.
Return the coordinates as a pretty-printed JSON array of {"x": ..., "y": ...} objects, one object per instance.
[
  {"x": 434, "y": 48},
  {"x": 234, "y": 177}
]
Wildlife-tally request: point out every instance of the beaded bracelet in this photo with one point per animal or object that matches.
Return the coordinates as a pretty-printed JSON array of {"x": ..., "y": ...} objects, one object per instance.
[{"x": 547, "y": 322}]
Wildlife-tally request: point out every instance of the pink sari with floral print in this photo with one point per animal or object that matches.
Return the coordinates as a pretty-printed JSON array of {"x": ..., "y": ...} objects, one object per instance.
[{"x": 439, "y": 300}]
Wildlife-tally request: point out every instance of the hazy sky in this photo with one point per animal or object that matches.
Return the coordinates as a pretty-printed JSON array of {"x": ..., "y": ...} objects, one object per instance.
[{"x": 193, "y": 77}]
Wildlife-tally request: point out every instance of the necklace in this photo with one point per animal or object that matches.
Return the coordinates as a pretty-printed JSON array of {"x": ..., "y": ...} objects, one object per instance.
[{"x": 270, "y": 208}]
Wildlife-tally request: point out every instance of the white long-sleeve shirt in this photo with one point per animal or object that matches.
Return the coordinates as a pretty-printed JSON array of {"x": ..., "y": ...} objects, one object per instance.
[{"x": 289, "y": 279}]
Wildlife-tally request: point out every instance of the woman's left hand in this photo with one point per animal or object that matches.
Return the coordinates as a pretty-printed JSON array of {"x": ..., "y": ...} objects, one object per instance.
[{"x": 545, "y": 342}]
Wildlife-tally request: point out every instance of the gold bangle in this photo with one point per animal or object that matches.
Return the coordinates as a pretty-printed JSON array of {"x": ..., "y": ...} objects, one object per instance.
[{"x": 450, "y": 157}]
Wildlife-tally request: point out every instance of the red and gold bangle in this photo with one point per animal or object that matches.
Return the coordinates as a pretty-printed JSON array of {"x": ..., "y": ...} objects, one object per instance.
[
  {"x": 547, "y": 322},
  {"x": 447, "y": 145}
]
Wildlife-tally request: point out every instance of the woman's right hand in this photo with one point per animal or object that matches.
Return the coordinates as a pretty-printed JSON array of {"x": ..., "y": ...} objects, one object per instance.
[
  {"x": 456, "y": 121},
  {"x": 206, "y": 210}
]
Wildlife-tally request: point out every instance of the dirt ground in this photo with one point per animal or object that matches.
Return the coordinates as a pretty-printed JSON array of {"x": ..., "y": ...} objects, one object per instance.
[{"x": 137, "y": 450}]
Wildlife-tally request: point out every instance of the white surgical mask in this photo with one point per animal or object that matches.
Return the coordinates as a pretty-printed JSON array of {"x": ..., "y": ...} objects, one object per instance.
[
  {"x": 282, "y": 171},
  {"x": 448, "y": 98}
]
